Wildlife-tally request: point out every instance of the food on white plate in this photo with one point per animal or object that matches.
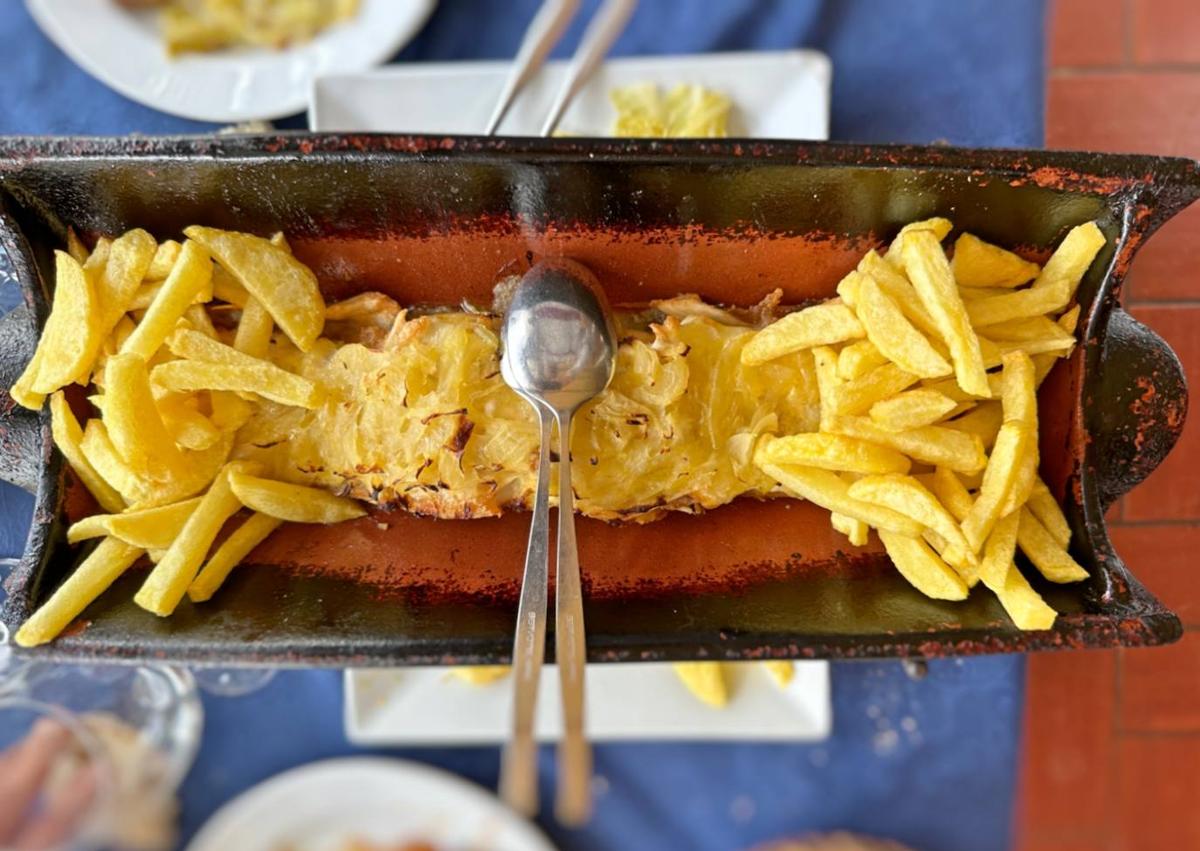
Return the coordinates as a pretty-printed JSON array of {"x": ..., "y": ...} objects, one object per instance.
[
  {"x": 685, "y": 110},
  {"x": 200, "y": 26},
  {"x": 231, "y": 400}
]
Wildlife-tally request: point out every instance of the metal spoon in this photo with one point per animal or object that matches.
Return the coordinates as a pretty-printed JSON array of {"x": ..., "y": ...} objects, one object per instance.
[{"x": 559, "y": 351}]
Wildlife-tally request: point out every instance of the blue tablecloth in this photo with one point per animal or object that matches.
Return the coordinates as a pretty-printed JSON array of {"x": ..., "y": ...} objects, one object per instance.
[{"x": 931, "y": 763}]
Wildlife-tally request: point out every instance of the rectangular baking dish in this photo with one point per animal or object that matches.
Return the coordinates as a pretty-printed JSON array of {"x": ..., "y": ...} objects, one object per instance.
[{"x": 439, "y": 220}]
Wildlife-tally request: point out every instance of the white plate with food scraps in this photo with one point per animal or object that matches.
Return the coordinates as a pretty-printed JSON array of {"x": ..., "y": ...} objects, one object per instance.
[
  {"x": 775, "y": 95},
  {"x": 366, "y": 803},
  {"x": 625, "y": 702},
  {"x": 124, "y": 49}
]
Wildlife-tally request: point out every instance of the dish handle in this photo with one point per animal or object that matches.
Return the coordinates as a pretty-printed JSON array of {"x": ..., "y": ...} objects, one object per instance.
[
  {"x": 21, "y": 430},
  {"x": 1145, "y": 405}
]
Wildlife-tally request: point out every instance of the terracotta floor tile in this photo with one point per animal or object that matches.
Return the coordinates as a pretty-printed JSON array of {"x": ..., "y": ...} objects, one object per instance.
[
  {"x": 1058, "y": 842},
  {"x": 1164, "y": 31},
  {"x": 1068, "y": 741},
  {"x": 1160, "y": 688},
  {"x": 1164, "y": 559},
  {"x": 1168, "y": 265},
  {"x": 1141, "y": 112},
  {"x": 1171, "y": 492},
  {"x": 1156, "y": 779},
  {"x": 1087, "y": 33}
]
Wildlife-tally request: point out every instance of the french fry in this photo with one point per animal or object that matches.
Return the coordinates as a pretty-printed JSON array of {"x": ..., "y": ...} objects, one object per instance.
[
  {"x": 89, "y": 580},
  {"x": 825, "y": 365},
  {"x": 285, "y": 286},
  {"x": 833, "y": 452},
  {"x": 197, "y": 317},
  {"x": 937, "y": 227},
  {"x": 68, "y": 437},
  {"x": 200, "y": 468},
  {"x": 265, "y": 379},
  {"x": 923, "y": 568},
  {"x": 999, "y": 550},
  {"x": 480, "y": 675},
  {"x": 976, "y": 293},
  {"x": 230, "y": 554},
  {"x": 164, "y": 261},
  {"x": 1069, "y": 321},
  {"x": 75, "y": 247},
  {"x": 999, "y": 480},
  {"x": 149, "y": 528},
  {"x": 133, "y": 422},
  {"x": 1043, "y": 363},
  {"x": 1051, "y": 560},
  {"x": 857, "y": 359},
  {"x": 911, "y": 409},
  {"x": 1045, "y": 508},
  {"x": 129, "y": 257},
  {"x": 254, "y": 330},
  {"x": 824, "y": 488},
  {"x": 189, "y": 428},
  {"x": 894, "y": 336},
  {"x": 168, "y": 582},
  {"x": 983, "y": 421},
  {"x": 96, "y": 261},
  {"x": 1019, "y": 304},
  {"x": 1069, "y": 262},
  {"x": 1019, "y": 402},
  {"x": 898, "y": 288},
  {"x": 907, "y": 496},
  {"x": 705, "y": 680},
  {"x": 295, "y": 503},
  {"x": 929, "y": 272},
  {"x": 820, "y": 325},
  {"x": 191, "y": 274},
  {"x": 1035, "y": 329},
  {"x": 229, "y": 411},
  {"x": 980, "y": 264},
  {"x": 782, "y": 671},
  {"x": 950, "y": 492},
  {"x": 935, "y": 445},
  {"x": 226, "y": 287},
  {"x": 100, "y": 453},
  {"x": 22, "y": 391},
  {"x": 855, "y": 530},
  {"x": 857, "y": 396},
  {"x": 71, "y": 337},
  {"x": 1025, "y": 606}
]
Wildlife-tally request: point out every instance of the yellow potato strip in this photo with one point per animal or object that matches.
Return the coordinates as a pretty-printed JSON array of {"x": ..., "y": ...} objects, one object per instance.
[
  {"x": 935, "y": 445},
  {"x": 254, "y": 330},
  {"x": 898, "y": 288},
  {"x": 191, "y": 275},
  {"x": 951, "y": 492},
  {"x": 833, "y": 452},
  {"x": 999, "y": 550},
  {"x": 1024, "y": 606},
  {"x": 68, "y": 437},
  {"x": 164, "y": 261},
  {"x": 89, "y": 580},
  {"x": 983, "y": 421},
  {"x": 231, "y": 552},
  {"x": 828, "y": 491},
  {"x": 295, "y": 503},
  {"x": 923, "y": 568},
  {"x": 150, "y": 528},
  {"x": 129, "y": 258},
  {"x": 857, "y": 396},
  {"x": 268, "y": 381},
  {"x": 999, "y": 479},
  {"x": 819, "y": 325},
  {"x": 133, "y": 422},
  {"x": 855, "y": 530},
  {"x": 1046, "y": 509},
  {"x": 1069, "y": 262},
  {"x": 929, "y": 272},
  {"x": 100, "y": 453},
  {"x": 1051, "y": 560},
  {"x": 168, "y": 582},
  {"x": 980, "y": 264},
  {"x": 905, "y": 495},
  {"x": 72, "y": 334},
  {"x": 857, "y": 359},
  {"x": 938, "y": 227},
  {"x": 911, "y": 409},
  {"x": 894, "y": 336}
]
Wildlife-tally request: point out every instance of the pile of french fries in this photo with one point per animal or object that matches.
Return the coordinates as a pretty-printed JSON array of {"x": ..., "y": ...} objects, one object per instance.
[
  {"x": 928, "y": 370},
  {"x": 131, "y": 319}
]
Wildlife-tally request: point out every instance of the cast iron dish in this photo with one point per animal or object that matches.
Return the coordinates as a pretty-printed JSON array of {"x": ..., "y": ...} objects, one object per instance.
[{"x": 438, "y": 220}]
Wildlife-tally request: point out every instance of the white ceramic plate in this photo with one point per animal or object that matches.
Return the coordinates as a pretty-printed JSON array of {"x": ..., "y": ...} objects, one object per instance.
[
  {"x": 123, "y": 50},
  {"x": 780, "y": 95},
  {"x": 625, "y": 702},
  {"x": 320, "y": 807}
]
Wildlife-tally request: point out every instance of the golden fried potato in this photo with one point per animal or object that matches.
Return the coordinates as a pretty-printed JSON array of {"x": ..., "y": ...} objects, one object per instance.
[
  {"x": 706, "y": 680},
  {"x": 857, "y": 359},
  {"x": 935, "y": 445},
  {"x": 189, "y": 277},
  {"x": 912, "y": 409},
  {"x": 133, "y": 422},
  {"x": 922, "y": 567},
  {"x": 68, "y": 437},
  {"x": 833, "y": 452},
  {"x": 1051, "y": 560},
  {"x": 856, "y": 531},
  {"x": 907, "y": 496},
  {"x": 89, "y": 580},
  {"x": 1046, "y": 509},
  {"x": 980, "y": 264},
  {"x": 71, "y": 338},
  {"x": 819, "y": 325},
  {"x": 148, "y": 528},
  {"x": 230, "y": 554},
  {"x": 164, "y": 261},
  {"x": 938, "y": 227},
  {"x": 857, "y": 396},
  {"x": 129, "y": 258},
  {"x": 999, "y": 479},
  {"x": 254, "y": 330},
  {"x": 824, "y": 488},
  {"x": 295, "y": 503},
  {"x": 285, "y": 286},
  {"x": 894, "y": 336}
]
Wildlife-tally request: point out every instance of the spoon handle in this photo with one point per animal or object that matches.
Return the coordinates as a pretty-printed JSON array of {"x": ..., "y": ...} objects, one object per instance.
[
  {"x": 574, "y": 803},
  {"x": 518, "y": 769},
  {"x": 544, "y": 32}
]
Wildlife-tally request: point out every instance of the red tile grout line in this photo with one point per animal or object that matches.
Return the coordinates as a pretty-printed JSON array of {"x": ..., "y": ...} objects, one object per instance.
[{"x": 1148, "y": 68}]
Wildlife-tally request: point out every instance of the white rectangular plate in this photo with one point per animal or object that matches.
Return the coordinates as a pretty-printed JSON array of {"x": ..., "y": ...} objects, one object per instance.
[
  {"x": 430, "y": 706},
  {"x": 783, "y": 95},
  {"x": 780, "y": 95}
]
